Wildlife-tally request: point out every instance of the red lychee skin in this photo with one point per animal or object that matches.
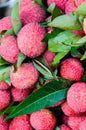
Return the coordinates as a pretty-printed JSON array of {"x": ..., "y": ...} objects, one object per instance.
[
  {"x": 31, "y": 12},
  {"x": 82, "y": 125},
  {"x": 84, "y": 25},
  {"x": 59, "y": 3},
  {"x": 49, "y": 29},
  {"x": 76, "y": 97},
  {"x": 5, "y": 23},
  {"x": 4, "y": 125},
  {"x": 74, "y": 122},
  {"x": 49, "y": 56},
  {"x": 64, "y": 127},
  {"x": 4, "y": 85},
  {"x": 30, "y": 40},
  {"x": 72, "y": 69},
  {"x": 9, "y": 49},
  {"x": 43, "y": 120},
  {"x": 79, "y": 2},
  {"x": 65, "y": 119},
  {"x": 25, "y": 77},
  {"x": 4, "y": 99},
  {"x": 19, "y": 94},
  {"x": 21, "y": 123},
  {"x": 67, "y": 110},
  {"x": 78, "y": 32}
]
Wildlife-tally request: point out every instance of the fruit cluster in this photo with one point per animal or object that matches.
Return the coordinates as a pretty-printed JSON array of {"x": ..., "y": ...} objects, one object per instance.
[{"x": 43, "y": 66}]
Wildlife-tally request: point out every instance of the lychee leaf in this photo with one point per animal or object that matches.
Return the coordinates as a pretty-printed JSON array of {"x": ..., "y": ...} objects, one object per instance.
[
  {"x": 10, "y": 32},
  {"x": 81, "y": 10},
  {"x": 16, "y": 22},
  {"x": 39, "y": 2},
  {"x": 66, "y": 22},
  {"x": 44, "y": 97},
  {"x": 84, "y": 56},
  {"x": 75, "y": 52},
  {"x": 57, "y": 128},
  {"x": 21, "y": 58},
  {"x": 3, "y": 62}
]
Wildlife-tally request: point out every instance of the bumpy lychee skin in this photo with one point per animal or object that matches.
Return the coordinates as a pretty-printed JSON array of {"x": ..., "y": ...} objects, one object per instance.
[
  {"x": 71, "y": 69},
  {"x": 84, "y": 25},
  {"x": 76, "y": 97},
  {"x": 5, "y": 23},
  {"x": 79, "y": 2},
  {"x": 64, "y": 127},
  {"x": 82, "y": 125},
  {"x": 78, "y": 32},
  {"x": 4, "y": 99},
  {"x": 21, "y": 123},
  {"x": 19, "y": 94},
  {"x": 65, "y": 119},
  {"x": 49, "y": 56},
  {"x": 31, "y": 12},
  {"x": 4, "y": 125},
  {"x": 25, "y": 77},
  {"x": 68, "y": 110},
  {"x": 4, "y": 85},
  {"x": 74, "y": 122},
  {"x": 9, "y": 49},
  {"x": 59, "y": 3},
  {"x": 43, "y": 120},
  {"x": 30, "y": 40},
  {"x": 70, "y": 6}
]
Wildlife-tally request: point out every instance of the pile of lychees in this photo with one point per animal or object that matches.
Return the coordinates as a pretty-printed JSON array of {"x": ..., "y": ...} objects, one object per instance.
[{"x": 35, "y": 40}]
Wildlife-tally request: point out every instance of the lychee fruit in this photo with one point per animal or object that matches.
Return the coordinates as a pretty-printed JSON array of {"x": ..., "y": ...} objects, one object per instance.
[
  {"x": 82, "y": 125},
  {"x": 4, "y": 85},
  {"x": 4, "y": 99},
  {"x": 76, "y": 97},
  {"x": 30, "y": 40},
  {"x": 19, "y": 94},
  {"x": 21, "y": 123},
  {"x": 5, "y": 23},
  {"x": 84, "y": 25},
  {"x": 4, "y": 125},
  {"x": 74, "y": 122},
  {"x": 65, "y": 119},
  {"x": 59, "y": 3},
  {"x": 79, "y": 2},
  {"x": 78, "y": 32},
  {"x": 64, "y": 127},
  {"x": 72, "y": 69},
  {"x": 9, "y": 48},
  {"x": 25, "y": 76},
  {"x": 43, "y": 120},
  {"x": 70, "y": 7},
  {"x": 31, "y": 12}
]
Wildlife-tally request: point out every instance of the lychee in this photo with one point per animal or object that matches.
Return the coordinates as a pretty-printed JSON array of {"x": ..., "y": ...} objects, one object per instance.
[
  {"x": 64, "y": 127},
  {"x": 19, "y": 94},
  {"x": 4, "y": 85},
  {"x": 84, "y": 25},
  {"x": 31, "y": 12},
  {"x": 9, "y": 48},
  {"x": 82, "y": 125},
  {"x": 72, "y": 69},
  {"x": 43, "y": 120},
  {"x": 4, "y": 125},
  {"x": 70, "y": 6},
  {"x": 4, "y": 99},
  {"x": 76, "y": 97},
  {"x": 25, "y": 77},
  {"x": 30, "y": 40},
  {"x": 79, "y": 2},
  {"x": 78, "y": 32},
  {"x": 5, "y": 23},
  {"x": 20, "y": 123}
]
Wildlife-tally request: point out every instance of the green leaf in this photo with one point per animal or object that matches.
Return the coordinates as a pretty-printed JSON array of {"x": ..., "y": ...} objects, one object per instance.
[
  {"x": 75, "y": 52},
  {"x": 46, "y": 96},
  {"x": 16, "y": 22},
  {"x": 51, "y": 8},
  {"x": 84, "y": 56},
  {"x": 82, "y": 40},
  {"x": 3, "y": 62},
  {"x": 81, "y": 10},
  {"x": 57, "y": 128},
  {"x": 56, "y": 12},
  {"x": 21, "y": 58},
  {"x": 43, "y": 69},
  {"x": 39, "y": 2},
  {"x": 84, "y": 78},
  {"x": 9, "y": 32},
  {"x": 66, "y": 22}
]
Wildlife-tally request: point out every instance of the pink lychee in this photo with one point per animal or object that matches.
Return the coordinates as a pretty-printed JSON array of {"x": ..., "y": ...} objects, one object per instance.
[
  {"x": 4, "y": 125},
  {"x": 25, "y": 77},
  {"x": 43, "y": 120},
  {"x": 79, "y": 2},
  {"x": 30, "y": 40},
  {"x": 4, "y": 85},
  {"x": 84, "y": 25},
  {"x": 21, "y": 123},
  {"x": 72, "y": 69},
  {"x": 82, "y": 125},
  {"x": 64, "y": 127},
  {"x": 70, "y": 6},
  {"x": 65, "y": 119},
  {"x": 78, "y": 32},
  {"x": 9, "y": 48},
  {"x": 76, "y": 97}
]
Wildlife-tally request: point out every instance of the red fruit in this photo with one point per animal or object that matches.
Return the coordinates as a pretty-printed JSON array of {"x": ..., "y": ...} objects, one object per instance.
[
  {"x": 70, "y": 6},
  {"x": 4, "y": 85},
  {"x": 59, "y": 3},
  {"x": 71, "y": 69},
  {"x": 19, "y": 94},
  {"x": 78, "y": 32},
  {"x": 82, "y": 125},
  {"x": 68, "y": 110},
  {"x": 30, "y": 40},
  {"x": 4, "y": 125},
  {"x": 74, "y": 122},
  {"x": 31, "y": 12},
  {"x": 49, "y": 29},
  {"x": 9, "y": 49},
  {"x": 5, "y": 23},
  {"x": 4, "y": 99},
  {"x": 64, "y": 127},
  {"x": 65, "y": 119},
  {"x": 76, "y": 97},
  {"x": 20, "y": 123},
  {"x": 43, "y": 120},
  {"x": 79, "y": 2},
  {"x": 25, "y": 77},
  {"x": 84, "y": 25}
]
